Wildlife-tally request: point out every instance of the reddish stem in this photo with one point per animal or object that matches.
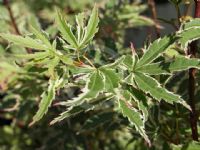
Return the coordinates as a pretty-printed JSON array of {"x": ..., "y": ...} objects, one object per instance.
[
  {"x": 192, "y": 52},
  {"x": 197, "y": 9},
  {"x": 14, "y": 24}
]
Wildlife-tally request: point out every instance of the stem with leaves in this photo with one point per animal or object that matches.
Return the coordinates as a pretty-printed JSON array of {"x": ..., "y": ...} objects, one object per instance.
[
  {"x": 192, "y": 52},
  {"x": 112, "y": 78},
  {"x": 12, "y": 18}
]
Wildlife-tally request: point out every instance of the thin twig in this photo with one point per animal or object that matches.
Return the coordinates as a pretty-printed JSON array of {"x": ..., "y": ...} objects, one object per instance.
[
  {"x": 12, "y": 18},
  {"x": 178, "y": 14},
  {"x": 192, "y": 88},
  {"x": 151, "y": 4},
  {"x": 177, "y": 126},
  {"x": 6, "y": 3},
  {"x": 188, "y": 8}
]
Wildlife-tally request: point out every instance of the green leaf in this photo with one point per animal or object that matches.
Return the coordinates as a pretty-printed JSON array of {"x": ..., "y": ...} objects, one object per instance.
[
  {"x": 129, "y": 62},
  {"x": 80, "y": 20},
  {"x": 80, "y": 26},
  {"x": 189, "y": 35},
  {"x": 111, "y": 79},
  {"x": 72, "y": 111},
  {"x": 177, "y": 64},
  {"x": 156, "y": 49},
  {"x": 24, "y": 41},
  {"x": 134, "y": 117},
  {"x": 189, "y": 31},
  {"x": 114, "y": 64},
  {"x": 191, "y": 24},
  {"x": 140, "y": 98},
  {"x": 172, "y": 52},
  {"x": 151, "y": 86},
  {"x": 130, "y": 79},
  {"x": 92, "y": 26},
  {"x": 11, "y": 67},
  {"x": 36, "y": 55},
  {"x": 94, "y": 86},
  {"x": 66, "y": 60},
  {"x": 65, "y": 30},
  {"x": 47, "y": 98},
  {"x": 41, "y": 36},
  {"x": 82, "y": 70},
  {"x": 193, "y": 145},
  {"x": 51, "y": 66}
]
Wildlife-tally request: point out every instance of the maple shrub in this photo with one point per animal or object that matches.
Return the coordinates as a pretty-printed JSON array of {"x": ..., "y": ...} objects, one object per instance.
[{"x": 132, "y": 84}]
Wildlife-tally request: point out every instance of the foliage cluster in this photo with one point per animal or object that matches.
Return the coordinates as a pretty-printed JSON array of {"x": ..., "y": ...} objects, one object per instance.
[{"x": 107, "y": 96}]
